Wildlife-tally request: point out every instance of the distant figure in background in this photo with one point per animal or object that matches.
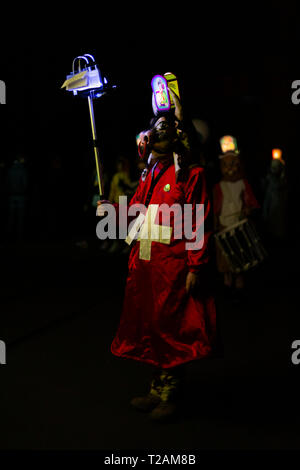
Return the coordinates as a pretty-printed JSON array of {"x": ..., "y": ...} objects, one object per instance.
[
  {"x": 121, "y": 185},
  {"x": 17, "y": 187},
  {"x": 233, "y": 200},
  {"x": 274, "y": 210},
  {"x": 137, "y": 171}
]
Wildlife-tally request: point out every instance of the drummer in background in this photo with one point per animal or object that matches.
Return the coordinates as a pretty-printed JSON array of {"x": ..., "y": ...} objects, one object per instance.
[{"x": 233, "y": 200}]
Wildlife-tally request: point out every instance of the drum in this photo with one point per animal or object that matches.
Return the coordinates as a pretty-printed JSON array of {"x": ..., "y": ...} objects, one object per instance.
[{"x": 241, "y": 246}]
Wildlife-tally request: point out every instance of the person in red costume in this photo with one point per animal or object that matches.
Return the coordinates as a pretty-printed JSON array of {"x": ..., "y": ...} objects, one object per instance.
[
  {"x": 169, "y": 315},
  {"x": 233, "y": 200}
]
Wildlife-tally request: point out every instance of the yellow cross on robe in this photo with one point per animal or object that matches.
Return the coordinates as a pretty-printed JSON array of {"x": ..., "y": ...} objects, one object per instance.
[{"x": 151, "y": 232}]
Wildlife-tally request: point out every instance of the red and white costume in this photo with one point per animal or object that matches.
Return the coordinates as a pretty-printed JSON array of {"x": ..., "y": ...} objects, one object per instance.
[{"x": 161, "y": 324}]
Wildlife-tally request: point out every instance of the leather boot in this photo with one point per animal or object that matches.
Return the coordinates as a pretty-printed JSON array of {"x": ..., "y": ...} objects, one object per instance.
[
  {"x": 146, "y": 403},
  {"x": 170, "y": 390},
  {"x": 150, "y": 401},
  {"x": 163, "y": 411}
]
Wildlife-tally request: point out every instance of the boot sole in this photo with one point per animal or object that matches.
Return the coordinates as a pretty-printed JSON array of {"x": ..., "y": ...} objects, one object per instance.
[{"x": 144, "y": 409}]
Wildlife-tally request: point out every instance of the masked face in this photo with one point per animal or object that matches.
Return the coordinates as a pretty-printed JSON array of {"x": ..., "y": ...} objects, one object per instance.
[
  {"x": 231, "y": 168},
  {"x": 161, "y": 137},
  {"x": 164, "y": 136}
]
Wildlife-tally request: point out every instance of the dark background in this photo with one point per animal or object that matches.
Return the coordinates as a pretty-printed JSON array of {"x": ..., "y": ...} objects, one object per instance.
[
  {"x": 61, "y": 306},
  {"x": 234, "y": 67}
]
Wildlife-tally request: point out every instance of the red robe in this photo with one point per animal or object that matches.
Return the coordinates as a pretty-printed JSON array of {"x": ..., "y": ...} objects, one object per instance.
[{"x": 161, "y": 324}]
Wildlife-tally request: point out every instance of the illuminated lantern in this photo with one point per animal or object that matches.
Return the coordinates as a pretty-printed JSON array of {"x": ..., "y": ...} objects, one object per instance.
[
  {"x": 88, "y": 79},
  {"x": 173, "y": 85},
  {"x": 228, "y": 144},
  {"x": 89, "y": 82},
  {"x": 161, "y": 99},
  {"x": 277, "y": 154}
]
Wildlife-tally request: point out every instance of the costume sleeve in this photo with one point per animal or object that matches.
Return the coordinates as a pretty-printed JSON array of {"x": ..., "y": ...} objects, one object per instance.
[{"x": 202, "y": 222}]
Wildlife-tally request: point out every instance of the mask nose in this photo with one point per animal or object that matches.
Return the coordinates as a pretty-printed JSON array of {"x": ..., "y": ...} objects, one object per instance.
[
  {"x": 144, "y": 143},
  {"x": 146, "y": 136}
]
